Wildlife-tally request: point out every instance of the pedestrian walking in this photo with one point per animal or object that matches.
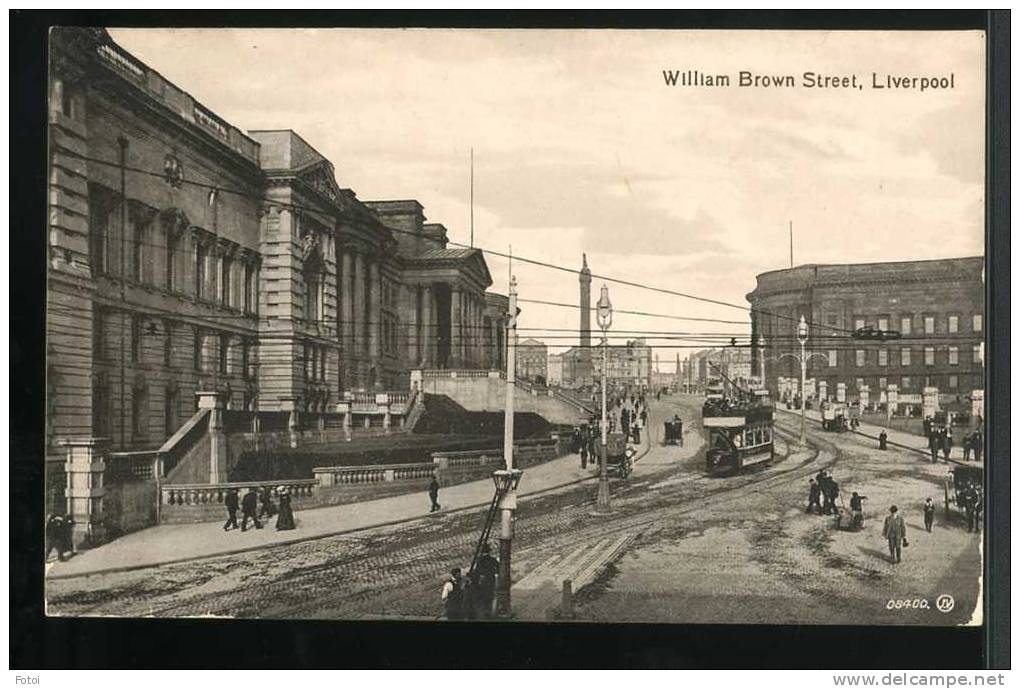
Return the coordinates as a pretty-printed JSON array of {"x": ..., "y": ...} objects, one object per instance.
[
  {"x": 249, "y": 507},
  {"x": 231, "y": 503},
  {"x": 285, "y": 518},
  {"x": 453, "y": 595},
  {"x": 978, "y": 444},
  {"x": 967, "y": 444},
  {"x": 933, "y": 447},
  {"x": 929, "y": 514},
  {"x": 266, "y": 507},
  {"x": 55, "y": 540},
  {"x": 584, "y": 454},
  {"x": 857, "y": 510},
  {"x": 434, "y": 495},
  {"x": 947, "y": 444},
  {"x": 814, "y": 497},
  {"x": 895, "y": 532},
  {"x": 977, "y": 509},
  {"x": 483, "y": 584},
  {"x": 883, "y": 439}
]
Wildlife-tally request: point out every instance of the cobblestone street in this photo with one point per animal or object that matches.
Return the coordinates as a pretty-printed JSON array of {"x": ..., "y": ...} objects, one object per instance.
[{"x": 736, "y": 549}]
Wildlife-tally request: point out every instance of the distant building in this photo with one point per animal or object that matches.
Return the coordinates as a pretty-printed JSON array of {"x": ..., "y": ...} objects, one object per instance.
[
  {"x": 555, "y": 370},
  {"x": 628, "y": 364},
  {"x": 937, "y": 307},
  {"x": 532, "y": 361}
]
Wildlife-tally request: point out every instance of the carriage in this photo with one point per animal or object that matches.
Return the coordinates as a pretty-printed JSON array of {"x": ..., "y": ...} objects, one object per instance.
[
  {"x": 834, "y": 418},
  {"x": 674, "y": 432},
  {"x": 961, "y": 478},
  {"x": 619, "y": 457}
]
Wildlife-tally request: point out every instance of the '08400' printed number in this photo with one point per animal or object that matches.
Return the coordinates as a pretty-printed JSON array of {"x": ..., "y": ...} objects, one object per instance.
[{"x": 907, "y": 604}]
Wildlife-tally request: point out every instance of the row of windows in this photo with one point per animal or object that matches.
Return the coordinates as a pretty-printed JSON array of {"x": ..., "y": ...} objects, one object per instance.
[
  {"x": 905, "y": 356},
  {"x": 229, "y": 282},
  {"x": 165, "y": 330},
  {"x": 928, "y": 323}
]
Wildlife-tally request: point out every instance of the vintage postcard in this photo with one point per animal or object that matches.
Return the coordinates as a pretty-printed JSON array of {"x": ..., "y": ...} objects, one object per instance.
[{"x": 536, "y": 325}]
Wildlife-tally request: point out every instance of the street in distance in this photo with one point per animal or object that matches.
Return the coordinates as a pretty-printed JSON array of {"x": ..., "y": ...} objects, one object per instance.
[{"x": 749, "y": 79}]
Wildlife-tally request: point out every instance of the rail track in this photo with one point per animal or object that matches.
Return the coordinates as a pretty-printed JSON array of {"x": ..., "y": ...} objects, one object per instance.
[{"x": 395, "y": 571}]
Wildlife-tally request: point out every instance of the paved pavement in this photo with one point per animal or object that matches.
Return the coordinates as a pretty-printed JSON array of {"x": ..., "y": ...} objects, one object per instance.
[
  {"x": 896, "y": 438},
  {"x": 180, "y": 542}
]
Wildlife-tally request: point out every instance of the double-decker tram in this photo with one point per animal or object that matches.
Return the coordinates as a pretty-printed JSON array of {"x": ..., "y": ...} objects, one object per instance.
[{"x": 740, "y": 432}]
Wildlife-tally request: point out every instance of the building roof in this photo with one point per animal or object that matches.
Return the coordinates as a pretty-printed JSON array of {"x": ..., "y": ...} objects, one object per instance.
[
  {"x": 436, "y": 254},
  {"x": 531, "y": 342}
]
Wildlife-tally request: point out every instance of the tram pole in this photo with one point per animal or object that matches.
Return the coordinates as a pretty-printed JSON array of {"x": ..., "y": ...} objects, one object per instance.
[
  {"x": 508, "y": 503},
  {"x": 604, "y": 312},
  {"x": 802, "y": 337}
]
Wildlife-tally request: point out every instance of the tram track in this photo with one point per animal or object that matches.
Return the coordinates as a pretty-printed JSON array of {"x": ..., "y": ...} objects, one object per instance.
[{"x": 395, "y": 572}]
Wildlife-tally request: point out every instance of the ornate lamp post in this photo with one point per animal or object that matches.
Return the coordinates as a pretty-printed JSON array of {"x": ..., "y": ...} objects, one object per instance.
[
  {"x": 506, "y": 480},
  {"x": 802, "y": 337},
  {"x": 604, "y": 312}
]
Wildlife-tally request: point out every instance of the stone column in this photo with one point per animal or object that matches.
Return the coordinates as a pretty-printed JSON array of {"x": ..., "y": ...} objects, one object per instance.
[
  {"x": 346, "y": 309},
  {"x": 374, "y": 310},
  {"x": 84, "y": 491},
  {"x": 358, "y": 311},
  {"x": 213, "y": 401},
  {"x": 456, "y": 333},
  {"x": 293, "y": 425},
  {"x": 427, "y": 329}
]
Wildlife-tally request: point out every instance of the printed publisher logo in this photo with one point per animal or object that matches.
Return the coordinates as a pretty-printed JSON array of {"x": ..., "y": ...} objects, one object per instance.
[{"x": 945, "y": 602}]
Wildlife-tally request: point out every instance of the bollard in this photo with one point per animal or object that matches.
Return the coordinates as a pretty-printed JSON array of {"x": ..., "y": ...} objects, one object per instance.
[{"x": 567, "y": 604}]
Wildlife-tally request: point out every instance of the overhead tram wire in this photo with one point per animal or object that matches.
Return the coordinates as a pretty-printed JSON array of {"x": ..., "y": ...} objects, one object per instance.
[{"x": 493, "y": 252}]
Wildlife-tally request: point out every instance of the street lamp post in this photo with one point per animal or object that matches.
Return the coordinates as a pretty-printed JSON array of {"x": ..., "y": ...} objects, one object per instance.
[
  {"x": 802, "y": 337},
  {"x": 508, "y": 499},
  {"x": 604, "y": 312}
]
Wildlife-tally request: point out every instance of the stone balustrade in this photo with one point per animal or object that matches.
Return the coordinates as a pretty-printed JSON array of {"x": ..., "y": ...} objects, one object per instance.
[
  {"x": 329, "y": 477},
  {"x": 128, "y": 467},
  {"x": 198, "y": 495}
]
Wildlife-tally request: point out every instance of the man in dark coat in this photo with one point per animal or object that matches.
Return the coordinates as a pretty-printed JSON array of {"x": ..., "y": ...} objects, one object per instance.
[
  {"x": 249, "y": 508},
  {"x": 933, "y": 446},
  {"x": 857, "y": 510},
  {"x": 484, "y": 584},
  {"x": 453, "y": 595},
  {"x": 947, "y": 444},
  {"x": 978, "y": 442},
  {"x": 434, "y": 494},
  {"x": 883, "y": 439},
  {"x": 967, "y": 440},
  {"x": 231, "y": 503},
  {"x": 895, "y": 532},
  {"x": 814, "y": 497},
  {"x": 266, "y": 507},
  {"x": 55, "y": 527},
  {"x": 929, "y": 514}
]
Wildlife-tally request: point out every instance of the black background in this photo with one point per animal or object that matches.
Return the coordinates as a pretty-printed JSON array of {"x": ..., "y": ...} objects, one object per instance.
[{"x": 39, "y": 642}]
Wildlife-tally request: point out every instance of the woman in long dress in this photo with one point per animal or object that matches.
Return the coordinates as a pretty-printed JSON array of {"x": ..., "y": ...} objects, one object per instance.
[{"x": 285, "y": 519}]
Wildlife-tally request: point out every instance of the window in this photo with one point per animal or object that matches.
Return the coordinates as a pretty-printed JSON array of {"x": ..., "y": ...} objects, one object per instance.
[
  {"x": 954, "y": 324},
  {"x": 171, "y": 251},
  {"x": 832, "y": 358},
  {"x": 929, "y": 356},
  {"x": 171, "y": 403},
  {"x": 197, "y": 361},
  {"x": 954, "y": 356},
  {"x": 883, "y": 357},
  {"x": 137, "y": 249},
  {"x": 322, "y": 365},
  {"x": 954, "y": 382},
  {"x": 976, "y": 354},
  {"x": 136, "y": 339},
  {"x": 98, "y": 334},
  {"x": 168, "y": 344},
  {"x": 904, "y": 383},
  {"x": 905, "y": 356},
  {"x": 139, "y": 419},
  {"x": 225, "y": 287},
  {"x": 99, "y": 231},
  {"x": 905, "y": 325},
  {"x": 978, "y": 322},
  {"x": 929, "y": 325},
  {"x": 248, "y": 278},
  {"x": 859, "y": 383},
  {"x": 882, "y": 383},
  {"x": 858, "y": 323},
  {"x": 860, "y": 357},
  {"x": 308, "y": 363},
  {"x": 224, "y": 353},
  {"x": 200, "y": 254},
  {"x": 883, "y": 323}
]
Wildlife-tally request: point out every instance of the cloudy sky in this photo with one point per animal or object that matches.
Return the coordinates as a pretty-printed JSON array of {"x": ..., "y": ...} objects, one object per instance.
[{"x": 580, "y": 146}]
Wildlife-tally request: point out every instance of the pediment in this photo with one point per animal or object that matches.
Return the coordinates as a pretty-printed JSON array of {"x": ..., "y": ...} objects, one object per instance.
[{"x": 321, "y": 178}]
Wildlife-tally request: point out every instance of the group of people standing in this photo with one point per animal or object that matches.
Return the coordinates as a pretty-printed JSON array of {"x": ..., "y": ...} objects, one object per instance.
[
  {"x": 471, "y": 597},
  {"x": 59, "y": 528},
  {"x": 823, "y": 486},
  {"x": 256, "y": 505},
  {"x": 632, "y": 413},
  {"x": 940, "y": 439}
]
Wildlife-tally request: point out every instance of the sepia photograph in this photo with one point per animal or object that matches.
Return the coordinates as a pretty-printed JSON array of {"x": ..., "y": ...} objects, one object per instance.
[{"x": 586, "y": 326}]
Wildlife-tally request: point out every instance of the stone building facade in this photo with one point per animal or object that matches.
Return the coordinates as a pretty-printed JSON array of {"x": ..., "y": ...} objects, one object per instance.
[
  {"x": 629, "y": 364},
  {"x": 532, "y": 361},
  {"x": 187, "y": 255},
  {"x": 937, "y": 307}
]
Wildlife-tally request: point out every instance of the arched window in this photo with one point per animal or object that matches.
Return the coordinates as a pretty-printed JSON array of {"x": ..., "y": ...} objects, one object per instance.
[{"x": 312, "y": 273}]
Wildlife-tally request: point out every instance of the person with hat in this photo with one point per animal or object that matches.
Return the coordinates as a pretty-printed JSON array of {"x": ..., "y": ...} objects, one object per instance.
[
  {"x": 895, "y": 532},
  {"x": 929, "y": 514},
  {"x": 285, "y": 517},
  {"x": 483, "y": 584},
  {"x": 857, "y": 510},
  {"x": 453, "y": 595}
]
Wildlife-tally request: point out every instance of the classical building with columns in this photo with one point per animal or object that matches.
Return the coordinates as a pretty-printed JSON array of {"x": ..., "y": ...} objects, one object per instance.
[{"x": 187, "y": 255}]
